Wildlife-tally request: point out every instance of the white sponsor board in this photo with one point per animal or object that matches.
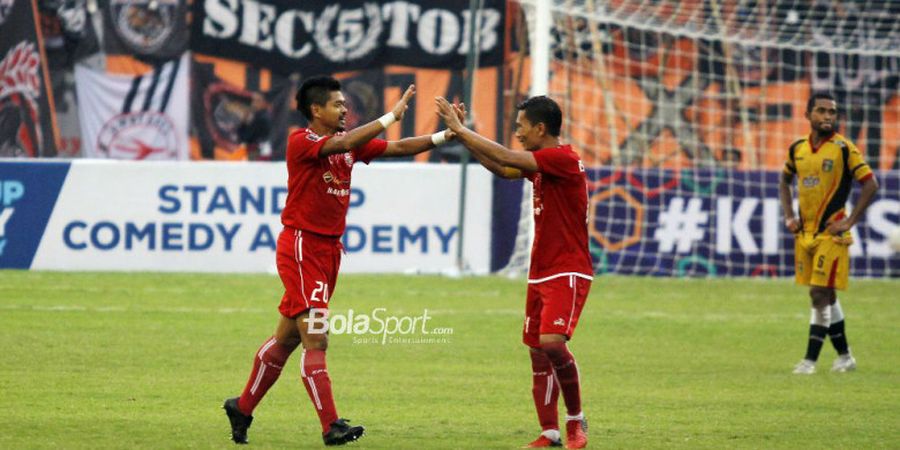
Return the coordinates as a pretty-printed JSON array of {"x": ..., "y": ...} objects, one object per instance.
[{"x": 225, "y": 217}]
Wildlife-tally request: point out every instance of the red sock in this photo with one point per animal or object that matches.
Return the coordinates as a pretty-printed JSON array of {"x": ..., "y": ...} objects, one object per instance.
[
  {"x": 266, "y": 368},
  {"x": 566, "y": 373},
  {"x": 544, "y": 390},
  {"x": 318, "y": 386}
]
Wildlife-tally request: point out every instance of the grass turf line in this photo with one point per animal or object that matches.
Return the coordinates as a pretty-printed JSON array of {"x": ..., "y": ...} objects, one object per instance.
[{"x": 107, "y": 360}]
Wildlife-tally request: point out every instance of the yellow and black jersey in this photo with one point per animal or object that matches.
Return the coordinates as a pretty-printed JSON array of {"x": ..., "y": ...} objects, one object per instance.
[{"x": 824, "y": 176}]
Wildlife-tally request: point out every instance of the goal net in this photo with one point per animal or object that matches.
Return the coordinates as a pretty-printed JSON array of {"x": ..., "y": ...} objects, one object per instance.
[{"x": 683, "y": 112}]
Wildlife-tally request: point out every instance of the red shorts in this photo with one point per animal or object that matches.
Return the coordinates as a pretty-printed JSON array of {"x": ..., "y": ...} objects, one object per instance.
[
  {"x": 553, "y": 307},
  {"x": 308, "y": 266}
]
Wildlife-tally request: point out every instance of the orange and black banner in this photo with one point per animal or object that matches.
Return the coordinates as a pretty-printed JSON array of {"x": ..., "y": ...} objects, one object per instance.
[
  {"x": 27, "y": 127},
  {"x": 228, "y": 96},
  {"x": 225, "y": 96}
]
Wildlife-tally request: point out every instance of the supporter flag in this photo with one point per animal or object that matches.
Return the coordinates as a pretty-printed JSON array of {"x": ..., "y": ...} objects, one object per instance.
[
  {"x": 134, "y": 117},
  {"x": 149, "y": 30},
  {"x": 222, "y": 99},
  {"x": 27, "y": 126},
  {"x": 223, "y": 95}
]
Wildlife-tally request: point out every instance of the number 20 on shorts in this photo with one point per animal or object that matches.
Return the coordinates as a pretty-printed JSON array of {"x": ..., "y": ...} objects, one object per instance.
[{"x": 321, "y": 288}]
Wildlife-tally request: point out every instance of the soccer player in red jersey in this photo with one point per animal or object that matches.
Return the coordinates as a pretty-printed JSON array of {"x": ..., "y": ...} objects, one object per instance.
[
  {"x": 561, "y": 269},
  {"x": 320, "y": 159}
]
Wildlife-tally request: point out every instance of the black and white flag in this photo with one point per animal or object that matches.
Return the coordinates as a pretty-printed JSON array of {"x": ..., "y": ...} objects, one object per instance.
[{"x": 135, "y": 117}]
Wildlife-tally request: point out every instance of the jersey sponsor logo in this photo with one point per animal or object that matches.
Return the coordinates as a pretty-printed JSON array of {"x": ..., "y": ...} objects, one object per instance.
[
  {"x": 827, "y": 165},
  {"x": 810, "y": 182},
  {"x": 338, "y": 192},
  {"x": 144, "y": 25}
]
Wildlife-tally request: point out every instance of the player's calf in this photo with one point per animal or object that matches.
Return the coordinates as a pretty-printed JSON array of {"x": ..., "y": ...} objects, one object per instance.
[{"x": 566, "y": 370}]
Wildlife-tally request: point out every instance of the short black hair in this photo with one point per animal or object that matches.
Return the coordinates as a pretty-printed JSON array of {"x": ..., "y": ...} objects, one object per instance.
[
  {"x": 542, "y": 109},
  {"x": 818, "y": 96},
  {"x": 315, "y": 91}
]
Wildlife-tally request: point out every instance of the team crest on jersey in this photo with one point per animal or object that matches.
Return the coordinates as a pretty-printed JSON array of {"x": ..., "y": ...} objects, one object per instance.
[
  {"x": 313, "y": 137},
  {"x": 348, "y": 158},
  {"x": 144, "y": 25},
  {"x": 827, "y": 165}
]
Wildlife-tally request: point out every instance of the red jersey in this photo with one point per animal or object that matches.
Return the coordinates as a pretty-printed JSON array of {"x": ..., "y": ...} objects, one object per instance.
[
  {"x": 319, "y": 187},
  {"x": 560, "y": 216}
]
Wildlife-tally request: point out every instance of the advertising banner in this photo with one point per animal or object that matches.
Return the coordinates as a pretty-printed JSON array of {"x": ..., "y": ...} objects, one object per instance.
[
  {"x": 718, "y": 222},
  {"x": 225, "y": 217}
]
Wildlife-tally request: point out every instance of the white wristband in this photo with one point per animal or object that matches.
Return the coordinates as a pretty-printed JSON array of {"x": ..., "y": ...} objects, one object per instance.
[
  {"x": 387, "y": 119},
  {"x": 439, "y": 138}
]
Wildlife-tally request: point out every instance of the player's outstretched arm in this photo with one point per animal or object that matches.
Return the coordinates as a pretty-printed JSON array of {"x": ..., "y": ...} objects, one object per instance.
[
  {"x": 415, "y": 145},
  {"x": 481, "y": 147},
  {"x": 487, "y": 163},
  {"x": 787, "y": 202},
  {"x": 362, "y": 134},
  {"x": 869, "y": 188}
]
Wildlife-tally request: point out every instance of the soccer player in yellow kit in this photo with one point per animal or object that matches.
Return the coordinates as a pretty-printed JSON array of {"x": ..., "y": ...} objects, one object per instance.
[{"x": 825, "y": 164}]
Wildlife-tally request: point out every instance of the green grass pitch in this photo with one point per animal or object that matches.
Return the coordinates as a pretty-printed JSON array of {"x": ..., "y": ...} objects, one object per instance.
[{"x": 131, "y": 361}]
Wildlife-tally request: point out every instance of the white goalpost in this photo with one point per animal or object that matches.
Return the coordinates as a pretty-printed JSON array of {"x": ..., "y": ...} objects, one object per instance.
[{"x": 683, "y": 112}]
